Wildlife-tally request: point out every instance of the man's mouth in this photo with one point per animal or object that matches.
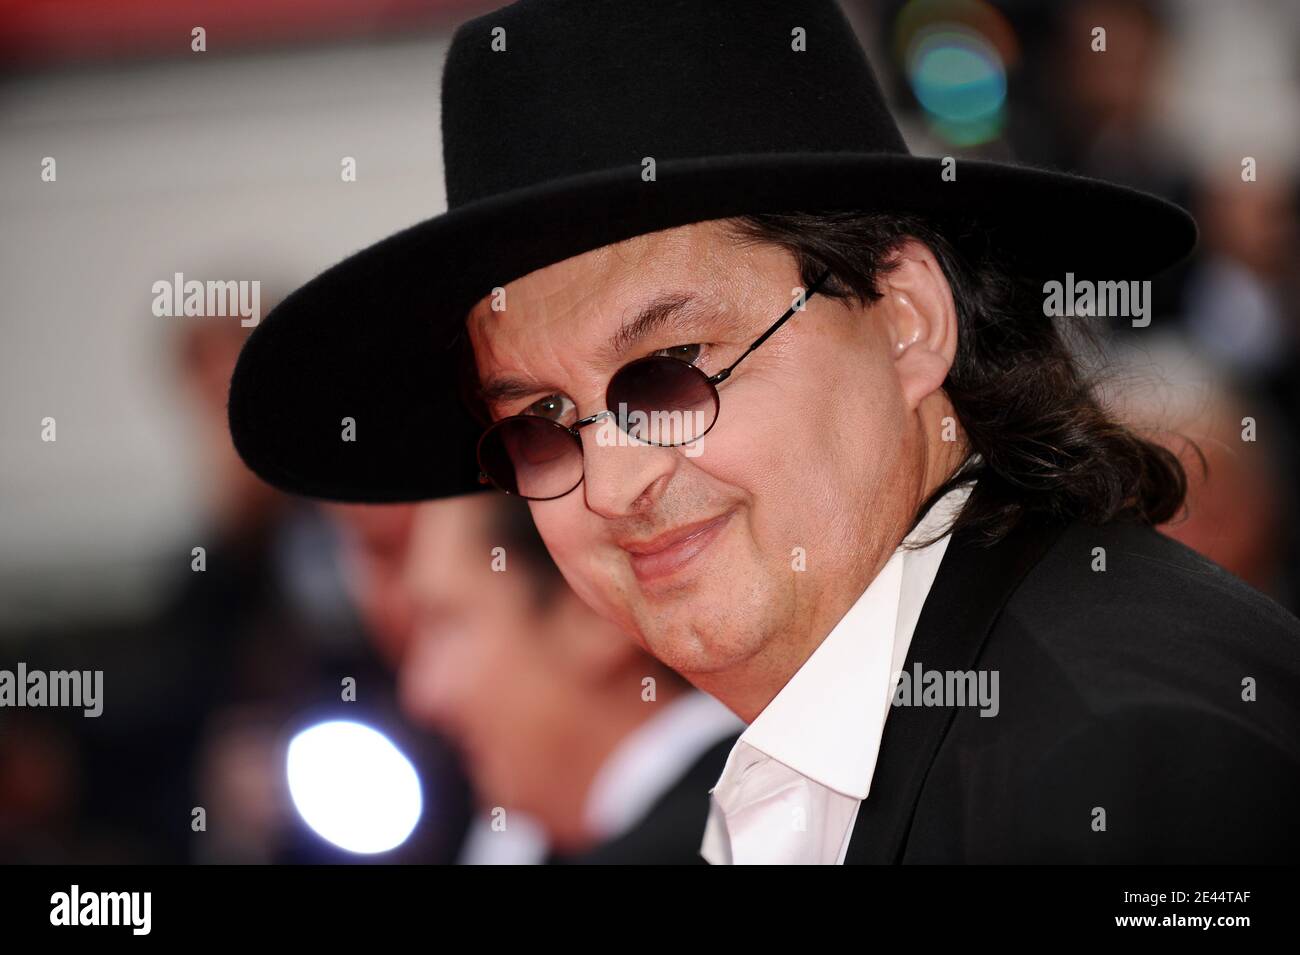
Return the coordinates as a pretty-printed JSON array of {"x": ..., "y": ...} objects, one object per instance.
[{"x": 666, "y": 554}]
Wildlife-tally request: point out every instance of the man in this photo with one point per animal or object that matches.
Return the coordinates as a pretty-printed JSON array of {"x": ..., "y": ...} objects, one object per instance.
[
  {"x": 580, "y": 747},
  {"x": 788, "y": 410}
]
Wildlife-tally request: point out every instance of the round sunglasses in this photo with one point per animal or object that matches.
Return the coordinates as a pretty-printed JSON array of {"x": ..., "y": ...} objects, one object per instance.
[{"x": 661, "y": 400}]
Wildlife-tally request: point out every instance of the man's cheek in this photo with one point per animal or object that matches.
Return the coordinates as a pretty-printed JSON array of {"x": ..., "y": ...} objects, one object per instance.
[{"x": 593, "y": 579}]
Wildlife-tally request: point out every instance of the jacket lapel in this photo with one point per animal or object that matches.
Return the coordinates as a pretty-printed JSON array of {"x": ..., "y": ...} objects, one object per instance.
[{"x": 969, "y": 591}]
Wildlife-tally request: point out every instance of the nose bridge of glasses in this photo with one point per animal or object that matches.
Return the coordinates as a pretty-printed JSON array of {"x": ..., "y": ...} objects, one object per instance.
[{"x": 590, "y": 419}]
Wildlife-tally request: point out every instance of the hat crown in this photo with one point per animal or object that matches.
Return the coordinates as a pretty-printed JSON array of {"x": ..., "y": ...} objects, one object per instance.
[{"x": 547, "y": 89}]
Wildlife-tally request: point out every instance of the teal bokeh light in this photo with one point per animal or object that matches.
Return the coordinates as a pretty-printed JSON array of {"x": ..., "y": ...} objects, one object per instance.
[{"x": 960, "y": 81}]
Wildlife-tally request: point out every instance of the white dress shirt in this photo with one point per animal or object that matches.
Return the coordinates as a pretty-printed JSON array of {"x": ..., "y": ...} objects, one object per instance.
[
  {"x": 645, "y": 764},
  {"x": 791, "y": 788}
]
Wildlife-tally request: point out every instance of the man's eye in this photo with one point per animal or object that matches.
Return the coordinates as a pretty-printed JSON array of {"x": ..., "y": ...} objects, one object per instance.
[
  {"x": 687, "y": 353},
  {"x": 554, "y": 407}
]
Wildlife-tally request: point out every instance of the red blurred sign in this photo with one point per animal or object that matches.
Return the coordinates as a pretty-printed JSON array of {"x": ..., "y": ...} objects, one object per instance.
[{"x": 34, "y": 32}]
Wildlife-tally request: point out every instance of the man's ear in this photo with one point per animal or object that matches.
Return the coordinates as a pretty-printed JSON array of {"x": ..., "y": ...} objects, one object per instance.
[{"x": 921, "y": 319}]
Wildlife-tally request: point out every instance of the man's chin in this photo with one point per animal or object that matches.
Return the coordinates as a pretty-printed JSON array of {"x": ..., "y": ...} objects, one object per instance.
[{"x": 686, "y": 638}]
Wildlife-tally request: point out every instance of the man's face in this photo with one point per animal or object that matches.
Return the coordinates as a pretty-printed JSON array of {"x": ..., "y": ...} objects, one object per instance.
[
  {"x": 482, "y": 664},
  {"x": 810, "y": 470}
]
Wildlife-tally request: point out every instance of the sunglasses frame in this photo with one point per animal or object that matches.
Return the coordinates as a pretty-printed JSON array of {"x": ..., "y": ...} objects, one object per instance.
[{"x": 711, "y": 380}]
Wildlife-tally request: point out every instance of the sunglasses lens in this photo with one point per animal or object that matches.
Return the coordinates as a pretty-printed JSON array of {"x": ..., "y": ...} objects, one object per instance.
[
  {"x": 657, "y": 400},
  {"x": 663, "y": 401},
  {"x": 531, "y": 456}
]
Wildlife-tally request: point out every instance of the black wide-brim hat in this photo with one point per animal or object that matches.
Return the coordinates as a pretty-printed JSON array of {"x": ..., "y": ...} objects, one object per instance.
[{"x": 549, "y": 109}]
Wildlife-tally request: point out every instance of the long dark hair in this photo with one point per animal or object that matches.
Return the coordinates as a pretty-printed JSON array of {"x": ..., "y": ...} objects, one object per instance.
[{"x": 1040, "y": 441}]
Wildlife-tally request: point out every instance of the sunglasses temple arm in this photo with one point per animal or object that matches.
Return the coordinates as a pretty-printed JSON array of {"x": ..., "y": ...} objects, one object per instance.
[{"x": 726, "y": 372}]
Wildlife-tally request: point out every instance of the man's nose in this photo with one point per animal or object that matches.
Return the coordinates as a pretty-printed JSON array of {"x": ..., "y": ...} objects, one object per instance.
[
  {"x": 622, "y": 476},
  {"x": 426, "y": 686}
]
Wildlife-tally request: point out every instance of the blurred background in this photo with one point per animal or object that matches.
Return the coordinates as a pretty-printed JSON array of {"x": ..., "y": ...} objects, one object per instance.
[{"x": 238, "y": 679}]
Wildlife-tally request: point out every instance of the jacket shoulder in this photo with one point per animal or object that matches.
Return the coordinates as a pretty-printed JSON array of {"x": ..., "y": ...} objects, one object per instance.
[
  {"x": 1141, "y": 683},
  {"x": 1118, "y": 624},
  {"x": 1123, "y": 595},
  {"x": 1133, "y": 571}
]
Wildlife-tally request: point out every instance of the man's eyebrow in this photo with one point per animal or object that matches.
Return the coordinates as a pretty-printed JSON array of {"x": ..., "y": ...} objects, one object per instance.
[
  {"x": 507, "y": 388},
  {"x": 676, "y": 310}
]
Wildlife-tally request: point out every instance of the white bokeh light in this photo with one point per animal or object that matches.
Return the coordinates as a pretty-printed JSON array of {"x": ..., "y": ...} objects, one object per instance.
[{"x": 353, "y": 786}]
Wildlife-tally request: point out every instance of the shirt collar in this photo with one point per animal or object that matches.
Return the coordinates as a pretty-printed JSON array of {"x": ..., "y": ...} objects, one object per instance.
[
  {"x": 817, "y": 723},
  {"x": 652, "y": 758}
]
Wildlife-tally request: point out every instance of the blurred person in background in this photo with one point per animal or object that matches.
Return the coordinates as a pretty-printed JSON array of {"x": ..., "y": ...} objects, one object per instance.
[
  {"x": 1241, "y": 311},
  {"x": 39, "y": 786},
  {"x": 1235, "y": 492},
  {"x": 1242, "y": 319},
  {"x": 1098, "y": 114},
  {"x": 1106, "y": 106},
  {"x": 276, "y": 635},
  {"x": 572, "y": 759},
  {"x": 200, "y": 693}
]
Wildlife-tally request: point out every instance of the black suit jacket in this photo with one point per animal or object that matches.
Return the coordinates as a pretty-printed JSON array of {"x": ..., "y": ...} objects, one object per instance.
[{"x": 1121, "y": 693}]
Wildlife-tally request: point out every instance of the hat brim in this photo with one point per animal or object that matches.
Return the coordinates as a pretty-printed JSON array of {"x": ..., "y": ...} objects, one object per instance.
[{"x": 369, "y": 338}]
